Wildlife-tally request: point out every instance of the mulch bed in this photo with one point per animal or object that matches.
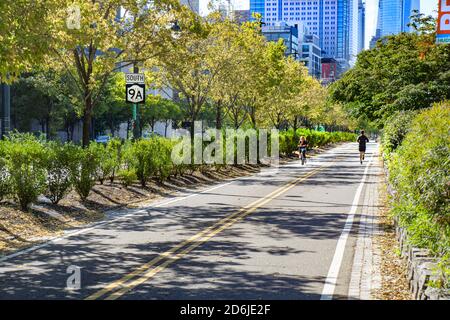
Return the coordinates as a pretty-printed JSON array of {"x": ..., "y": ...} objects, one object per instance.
[
  {"x": 394, "y": 284},
  {"x": 20, "y": 229}
]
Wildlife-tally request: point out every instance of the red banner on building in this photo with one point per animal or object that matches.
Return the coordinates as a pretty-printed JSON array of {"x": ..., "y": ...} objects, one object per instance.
[{"x": 443, "y": 31}]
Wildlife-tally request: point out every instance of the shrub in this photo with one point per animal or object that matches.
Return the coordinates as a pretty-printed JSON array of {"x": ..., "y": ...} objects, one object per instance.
[
  {"x": 84, "y": 170},
  {"x": 419, "y": 172},
  {"x": 127, "y": 177},
  {"x": 395, "y": 130},
  {"x": 289, "y": 139},
  {"x": 5, "y": 177},
  {"x": 114, "y": 150},
  {"x": 150, "y": 159},
  {"x": 106, "y": 161},
  {"x": 60, "y": 158},
  {"x": 25, "y": 162},
  {"x": 163, "y": 158}
]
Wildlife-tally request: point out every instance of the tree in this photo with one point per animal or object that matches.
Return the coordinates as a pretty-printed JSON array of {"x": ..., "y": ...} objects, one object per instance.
[
  {"x": 41, "y": 96},
  {"x": 403, "y": 72},
  {"x": 287, "y": 77},
  {"x": 113, "y": 109},
  {"x": 25, "y": 28},
  {"x": 235, "y": 92},
  {"x": 104, "y": 43},
  {"x": 195, "y": 62}
]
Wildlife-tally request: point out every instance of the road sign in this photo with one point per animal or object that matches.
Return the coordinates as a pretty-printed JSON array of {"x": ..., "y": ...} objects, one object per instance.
[
  {"x": 131, "y": 78},
  {"x": 135, "y": 87},
  {"x": 135, "y": 93},
  {"x": 443, "y": 31}
]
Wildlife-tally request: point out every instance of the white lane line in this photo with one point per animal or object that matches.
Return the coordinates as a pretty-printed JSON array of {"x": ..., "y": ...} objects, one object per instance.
[
  {"x": 135, "y": 211},
  {"x": 333, "y": 272}
]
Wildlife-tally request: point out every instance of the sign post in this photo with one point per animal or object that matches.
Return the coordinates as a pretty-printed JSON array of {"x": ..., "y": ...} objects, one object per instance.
[
  {"x": 135, "y": 94},
  {"x": 443, "y": 31}
]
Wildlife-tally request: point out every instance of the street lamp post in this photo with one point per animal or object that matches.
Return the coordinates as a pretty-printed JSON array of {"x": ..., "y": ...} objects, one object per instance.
[{"x": 5, "y": 109}]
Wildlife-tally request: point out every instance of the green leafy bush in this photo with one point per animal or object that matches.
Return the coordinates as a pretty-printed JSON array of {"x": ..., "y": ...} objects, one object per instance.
[
  {"x": 127, "y": 177},
  {"x": 289, "y": 139},
  {"x": 395, "y": 130},
  {"x": 163, "y": 159},
  {"x": 106, "y": 161},
  {"x": 59, "y": 160},
  {"x": 25, "y": 162},
  {"x": 5, "y": 177},
  {"x": 84, "y": 169},
  {"x": 114, "y": 150},
  {"x": 141, "y": 156},
  {"x": 420, "y": 173}
]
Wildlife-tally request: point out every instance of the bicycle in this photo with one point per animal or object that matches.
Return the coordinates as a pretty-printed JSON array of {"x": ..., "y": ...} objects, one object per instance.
[{"x": 303, "y": 155}]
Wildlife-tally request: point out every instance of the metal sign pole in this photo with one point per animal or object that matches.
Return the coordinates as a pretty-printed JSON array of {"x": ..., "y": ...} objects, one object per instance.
[
  {"x": 136, "y": 127},
  {"x": 135, "y": 94}
]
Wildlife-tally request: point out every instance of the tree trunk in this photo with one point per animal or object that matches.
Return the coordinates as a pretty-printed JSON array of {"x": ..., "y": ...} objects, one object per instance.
[
  {"x": 87, "y": 119},
  {"x": 47, "y": 127},
  {"x": 253, "y": 117},
  {"x": 236, "y": 121},
  {"x": 295, "y": 124},
  {"x": 219, "y": 115},
  {"x": 152, "y": 124}
]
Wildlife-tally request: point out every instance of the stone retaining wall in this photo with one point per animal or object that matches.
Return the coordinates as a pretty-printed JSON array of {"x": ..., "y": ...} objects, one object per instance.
[{"x": 421, "y": 265}]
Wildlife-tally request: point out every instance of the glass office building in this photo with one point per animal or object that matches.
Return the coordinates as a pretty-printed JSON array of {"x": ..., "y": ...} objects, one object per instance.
[
  {"x": 408, "y": 7},
  {"x": 335, "y": 22},
  {"x": 361, "y": 25},
  {"x": 283, "y": 31},
  {"x": 257, "y": 6},
  {"x": 394, "y": 15}
]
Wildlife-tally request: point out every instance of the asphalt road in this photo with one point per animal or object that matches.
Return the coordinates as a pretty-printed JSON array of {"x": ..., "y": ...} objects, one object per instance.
[{"x": 274, "y": 235}]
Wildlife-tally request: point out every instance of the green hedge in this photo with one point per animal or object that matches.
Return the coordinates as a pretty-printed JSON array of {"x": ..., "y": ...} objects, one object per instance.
[
  {"x": 420, "y": 173},
  {"x": 30, "y": 166},
  {"x": 395, "y": 130},
  {"x": 289, "y": 140}
]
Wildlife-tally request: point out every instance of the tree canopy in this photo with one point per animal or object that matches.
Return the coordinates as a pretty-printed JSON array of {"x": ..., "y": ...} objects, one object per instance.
[{"x": 407, "y": 71}]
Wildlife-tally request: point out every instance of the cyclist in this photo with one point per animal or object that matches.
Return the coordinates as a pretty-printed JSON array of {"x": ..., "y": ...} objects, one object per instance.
[
  {"x": 362, "y": 140},
  {"x": 302, "y": 145}
]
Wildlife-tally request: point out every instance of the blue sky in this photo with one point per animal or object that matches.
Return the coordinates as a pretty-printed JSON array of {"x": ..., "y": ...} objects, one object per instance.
[{"x": 426, "y": 6}]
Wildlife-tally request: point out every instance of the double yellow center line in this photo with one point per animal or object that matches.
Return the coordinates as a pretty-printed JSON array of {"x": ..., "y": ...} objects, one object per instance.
[{"x": 150, "y": 269}]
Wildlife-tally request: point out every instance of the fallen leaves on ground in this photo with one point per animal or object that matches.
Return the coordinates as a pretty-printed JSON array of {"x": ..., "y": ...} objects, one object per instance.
[{"x": 394, "y": 285}]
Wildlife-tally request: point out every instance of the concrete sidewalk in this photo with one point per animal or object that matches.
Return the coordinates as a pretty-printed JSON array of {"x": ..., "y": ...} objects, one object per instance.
[{"x": 366, "y": 275}]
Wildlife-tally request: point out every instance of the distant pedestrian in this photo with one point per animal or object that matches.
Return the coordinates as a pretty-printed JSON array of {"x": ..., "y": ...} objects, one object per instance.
[{"x": 362, "y": 140}]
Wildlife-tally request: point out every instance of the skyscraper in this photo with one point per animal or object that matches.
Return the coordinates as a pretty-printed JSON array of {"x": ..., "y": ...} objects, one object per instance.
[
  {"x": 362, "y": 24},
  {"x": 353, "y": 31},
  {"x": 335, "y": 22},
  {"x": 394, "y": 15},
  {"x": 408, "y": 7},
  {"x": 257, "y": 6}
]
